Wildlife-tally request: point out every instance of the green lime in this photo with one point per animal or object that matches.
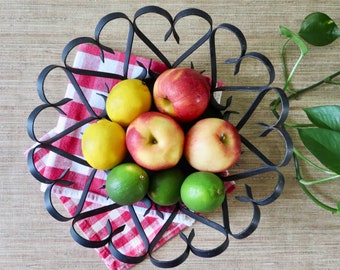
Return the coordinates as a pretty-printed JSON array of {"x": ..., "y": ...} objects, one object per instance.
[
  {"x": 165, "y": 186},
  {"x": 202, "y": 192},
  {"x": 127, "y": 183}
]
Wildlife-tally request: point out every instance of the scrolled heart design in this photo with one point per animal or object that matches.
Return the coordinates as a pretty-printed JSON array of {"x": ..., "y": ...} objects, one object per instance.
[
  {"x": 50, "y": 142},
  {"x": 275, "y": 127},
  {"x": 172, "y": 31}
]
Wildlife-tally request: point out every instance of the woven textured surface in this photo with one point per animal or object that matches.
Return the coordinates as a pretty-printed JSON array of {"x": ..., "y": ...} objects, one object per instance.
[{"x": 33, "y": 34}]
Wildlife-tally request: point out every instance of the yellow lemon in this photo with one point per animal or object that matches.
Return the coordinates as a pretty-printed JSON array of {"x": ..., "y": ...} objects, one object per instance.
[
  {"x": 128, "y": 99},
  {"x": 103, "y": 144}
]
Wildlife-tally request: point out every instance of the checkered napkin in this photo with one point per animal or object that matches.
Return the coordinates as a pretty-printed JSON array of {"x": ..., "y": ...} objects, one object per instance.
[{"x": 52, "y": 165}]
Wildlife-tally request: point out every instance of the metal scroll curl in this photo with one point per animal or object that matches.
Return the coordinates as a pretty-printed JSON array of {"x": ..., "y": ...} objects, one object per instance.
[{"x": 215, "y": 108}]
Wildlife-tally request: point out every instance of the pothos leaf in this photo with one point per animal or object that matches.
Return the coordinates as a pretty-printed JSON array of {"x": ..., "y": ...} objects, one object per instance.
[
  {"x": 324, "y": 144},
  {"x": 299, "y": 42},
  {"x": 319, "y": 29},
  {"x": 327, "y": 116}
]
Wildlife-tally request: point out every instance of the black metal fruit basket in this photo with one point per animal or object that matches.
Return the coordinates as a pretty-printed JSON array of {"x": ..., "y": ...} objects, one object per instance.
[{"x": 217, "y": 108}]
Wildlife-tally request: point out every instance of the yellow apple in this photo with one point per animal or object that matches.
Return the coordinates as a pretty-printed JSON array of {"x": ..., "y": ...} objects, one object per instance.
[
  {"x": 212, "y": 144},
  {"x": 155, "y": 141}
]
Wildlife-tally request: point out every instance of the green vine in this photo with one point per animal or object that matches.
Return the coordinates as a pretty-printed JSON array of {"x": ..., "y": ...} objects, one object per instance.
[{"x": 322, "y": 135}]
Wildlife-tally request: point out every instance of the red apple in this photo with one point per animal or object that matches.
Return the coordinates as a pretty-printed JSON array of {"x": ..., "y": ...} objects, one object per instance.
[
  {"x": 155, "y": 141},
  {"x": 182, "y": 93},
  {"x": 212, "y": 144}
]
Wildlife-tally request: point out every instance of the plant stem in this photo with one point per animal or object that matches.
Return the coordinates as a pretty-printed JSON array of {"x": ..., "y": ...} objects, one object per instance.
[
  {"x": 319, "y": 203},
  {"x": 311, "y": 87},
  {"x": 283, "y": 59},
  {"x": 286, "y": 86},
  {"x": 318, "y": 181},
  {"x": 309, "y": 162},
  {"x": 308, "y": 193},
  {"x": 296, "y": 94},
  {"x": 296, "y": 125}
]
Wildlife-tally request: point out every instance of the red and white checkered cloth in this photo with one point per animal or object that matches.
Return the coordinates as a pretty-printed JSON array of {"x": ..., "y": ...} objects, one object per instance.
[{"x": 52, "y": 166}]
